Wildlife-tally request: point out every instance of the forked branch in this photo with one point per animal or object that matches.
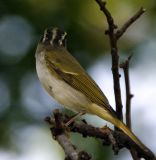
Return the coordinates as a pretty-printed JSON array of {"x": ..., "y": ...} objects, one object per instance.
[{"x": 116, "y": 138}]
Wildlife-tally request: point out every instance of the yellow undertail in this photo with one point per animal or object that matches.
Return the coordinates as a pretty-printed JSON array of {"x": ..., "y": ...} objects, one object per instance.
[{"x": 106, "y": 115}]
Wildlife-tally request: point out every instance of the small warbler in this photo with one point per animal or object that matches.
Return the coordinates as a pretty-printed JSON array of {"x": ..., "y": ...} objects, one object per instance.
[{"x": 67, "y": 82}]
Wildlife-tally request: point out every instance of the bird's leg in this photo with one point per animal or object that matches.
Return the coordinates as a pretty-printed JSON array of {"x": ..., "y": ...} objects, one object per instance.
[{"x": 74, "y": 117}]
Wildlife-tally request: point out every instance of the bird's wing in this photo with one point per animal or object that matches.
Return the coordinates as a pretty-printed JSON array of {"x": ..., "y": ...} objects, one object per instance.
[
  {"x": 63, "y": 60},
  {"x": 68, "y": 69}
]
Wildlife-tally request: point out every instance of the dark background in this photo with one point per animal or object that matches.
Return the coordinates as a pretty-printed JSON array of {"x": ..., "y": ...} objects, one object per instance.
[{"x": 24, "y": 104}]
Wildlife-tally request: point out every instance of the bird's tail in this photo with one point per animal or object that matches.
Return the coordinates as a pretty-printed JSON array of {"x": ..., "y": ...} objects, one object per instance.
[{"x": 106, "y": 115}]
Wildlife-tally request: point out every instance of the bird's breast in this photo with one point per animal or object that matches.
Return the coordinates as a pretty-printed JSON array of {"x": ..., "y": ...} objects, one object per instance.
[{"x": 59, "y": 89}]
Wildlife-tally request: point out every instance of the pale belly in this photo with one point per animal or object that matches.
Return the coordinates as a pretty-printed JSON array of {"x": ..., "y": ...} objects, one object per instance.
[{"x": 61, "y": 91}]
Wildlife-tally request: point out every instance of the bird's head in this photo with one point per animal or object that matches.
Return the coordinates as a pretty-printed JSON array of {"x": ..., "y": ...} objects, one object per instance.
[{"x": 54, "y": 37}]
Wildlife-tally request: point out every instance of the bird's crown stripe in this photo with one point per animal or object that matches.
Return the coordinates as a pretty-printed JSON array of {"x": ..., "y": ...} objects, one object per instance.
[{"x": 54, "y": 36}]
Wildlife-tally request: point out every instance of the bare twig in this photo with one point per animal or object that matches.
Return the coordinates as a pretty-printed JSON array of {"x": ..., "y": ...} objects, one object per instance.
[
  {"x": 134, "y": 154},
  {"x": 121, "y": 140},
  {"x": 102, "y": 5},
  {"x": 115, "y": 57},
  {"x": 117, "y": 139},
  {"x": 114, "y": 37},
  {"x": 60, "y": 133},
  {"x": 136, "y": 16},
  {"x": 125, "y": 67},
  {"x": 105, "y": 133}
]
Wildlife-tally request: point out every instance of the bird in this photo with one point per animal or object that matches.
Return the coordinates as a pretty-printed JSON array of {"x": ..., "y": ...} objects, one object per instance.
[{"x": 68, "y": 83}]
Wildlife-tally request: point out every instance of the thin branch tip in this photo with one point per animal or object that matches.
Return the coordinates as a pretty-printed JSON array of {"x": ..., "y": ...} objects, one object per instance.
[
  {"x": 127, "y": 24},
  {"x": 125, "y": 64},
  {"x": 130, "y": 57}
]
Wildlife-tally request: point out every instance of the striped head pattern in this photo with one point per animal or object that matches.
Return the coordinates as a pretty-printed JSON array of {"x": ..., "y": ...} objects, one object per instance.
[{"x": 54, "y": 37}]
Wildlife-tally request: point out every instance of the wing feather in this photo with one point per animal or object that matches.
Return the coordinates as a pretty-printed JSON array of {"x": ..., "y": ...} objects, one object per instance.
[{"x": 69, "y": 70}]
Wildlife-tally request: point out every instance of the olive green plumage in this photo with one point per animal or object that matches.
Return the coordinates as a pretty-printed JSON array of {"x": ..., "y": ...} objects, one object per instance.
[
  {"x": 70, "y": 71},
  {"x": 65, "y": 79}
]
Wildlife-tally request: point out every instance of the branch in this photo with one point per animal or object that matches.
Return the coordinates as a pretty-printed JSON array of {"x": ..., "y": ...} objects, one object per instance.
[
  {"x": 117, "y": 139},
  {"x": 115, "y": 57},
  {"x": 60, "y": 133},
  {"x": 134, "y": 154},
  {"x": 125, "y": 67},
  {"x": 114, "y": 37},
  {"x": 102, "y": 5},
  {"x": 123, "y": 29}
]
